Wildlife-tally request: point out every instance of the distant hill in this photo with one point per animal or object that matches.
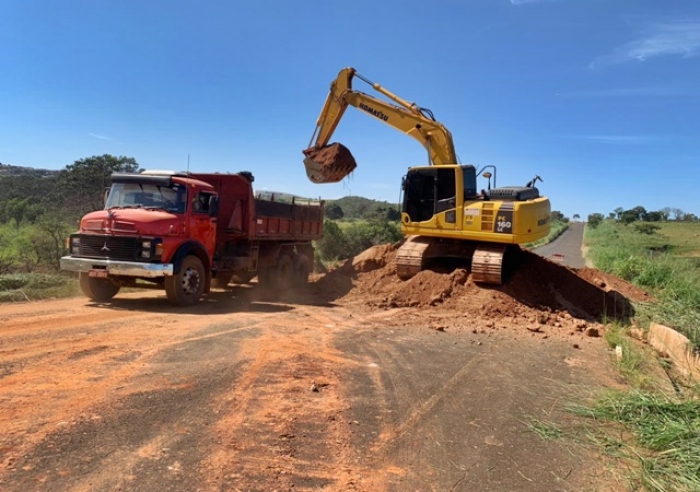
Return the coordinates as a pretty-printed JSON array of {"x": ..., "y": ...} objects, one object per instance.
[
  {"x": 10, "y": 170},
  {"x": 357, "y": 207}
]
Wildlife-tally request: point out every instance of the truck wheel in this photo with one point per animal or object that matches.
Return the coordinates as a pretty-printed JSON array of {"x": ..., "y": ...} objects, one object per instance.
[
  {"x": 222, "y": 279},
  {"x": 285, "y": 273},
  {"x": 97, "y": 289},
  {"x": 186, "y": 287},
  {"x": 302, "y": 268}
]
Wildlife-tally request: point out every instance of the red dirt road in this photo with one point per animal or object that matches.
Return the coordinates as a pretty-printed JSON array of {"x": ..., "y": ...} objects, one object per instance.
[{"x": 304, "y": 393}]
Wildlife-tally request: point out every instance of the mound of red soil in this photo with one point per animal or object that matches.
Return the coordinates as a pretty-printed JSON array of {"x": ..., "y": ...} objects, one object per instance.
[
  {"x": 329, "y": 164},
  {"x": 539, "y": 290}
]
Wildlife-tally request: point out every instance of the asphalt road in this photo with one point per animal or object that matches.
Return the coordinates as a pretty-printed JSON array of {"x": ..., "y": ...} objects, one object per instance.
[{"x": 567, "y": 248}]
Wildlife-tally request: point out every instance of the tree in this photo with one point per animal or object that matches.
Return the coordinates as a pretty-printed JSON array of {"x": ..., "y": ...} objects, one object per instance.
[
  {"x": 332, "y": 245},
  {"x": 678, "y": 214},
  {"x": 48, "y": 240},
  {"x": 556, "y": 215},
  {"x": 627, "y": 217},
  {"x": 577, "y": 216},
  {"x": 618, "y": 212},
  {"x": 655, "y": 216},
  {"x": 666, "y": 212},
  {"x": 594, "y": 220},
  {"x": 333, "y": 211},
  {"x": 639, "y": 212},
  {"x": 83, "y": 182}
]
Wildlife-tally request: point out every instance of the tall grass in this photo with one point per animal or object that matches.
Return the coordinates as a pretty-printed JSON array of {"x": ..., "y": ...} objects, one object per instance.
[
  {"x": 644, "y": 260},
  {"x": 34, "y": 286},
  {"x": 664, "y": 440}
]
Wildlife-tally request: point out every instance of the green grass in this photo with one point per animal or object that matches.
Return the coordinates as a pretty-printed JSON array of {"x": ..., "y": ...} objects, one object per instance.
[
  {"x": 646, "y": 426},
  {"x": 664, "y": 263},
  {"x": 546, "y": 430},
  {"x": 20, "y": 287},
  {"x": 656, "y": 435},
  {"x": 660, "y": 434},
  {"x": 557, "y": 229}
]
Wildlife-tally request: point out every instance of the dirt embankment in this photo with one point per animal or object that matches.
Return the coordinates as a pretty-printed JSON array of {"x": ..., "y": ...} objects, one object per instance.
[{"x": 540, "y": 293}]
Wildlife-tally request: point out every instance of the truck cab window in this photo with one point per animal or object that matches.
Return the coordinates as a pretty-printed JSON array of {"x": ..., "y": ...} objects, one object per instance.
[{"x": 200, "y": 203}]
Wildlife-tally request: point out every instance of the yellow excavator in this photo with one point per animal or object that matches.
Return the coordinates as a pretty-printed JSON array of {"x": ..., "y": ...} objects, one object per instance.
[{"x": 443, "y": 214}]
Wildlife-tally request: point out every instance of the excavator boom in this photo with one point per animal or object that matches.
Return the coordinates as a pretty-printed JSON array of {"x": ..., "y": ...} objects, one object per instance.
[{"x": 331, "y": 163}]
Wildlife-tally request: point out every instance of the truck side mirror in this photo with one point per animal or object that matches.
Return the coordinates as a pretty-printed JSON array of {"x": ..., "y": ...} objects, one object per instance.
[
  {"x": 213, "y": 206},
  {"x": 105, "y": 196}
]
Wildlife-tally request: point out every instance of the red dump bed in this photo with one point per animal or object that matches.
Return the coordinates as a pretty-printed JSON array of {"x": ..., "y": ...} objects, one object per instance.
[{"x": 242, "y": 216}]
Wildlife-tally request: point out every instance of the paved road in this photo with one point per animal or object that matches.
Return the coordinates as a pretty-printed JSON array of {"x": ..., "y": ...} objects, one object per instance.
[{"x": 568, "y": 245}]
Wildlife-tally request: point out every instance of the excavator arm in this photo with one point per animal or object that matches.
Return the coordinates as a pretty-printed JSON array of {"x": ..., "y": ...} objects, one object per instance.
[{"x": 327, "y": 164}]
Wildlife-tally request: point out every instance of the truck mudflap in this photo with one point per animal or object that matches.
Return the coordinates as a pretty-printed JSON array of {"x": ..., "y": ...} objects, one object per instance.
[{"x": 92, "y": 266}]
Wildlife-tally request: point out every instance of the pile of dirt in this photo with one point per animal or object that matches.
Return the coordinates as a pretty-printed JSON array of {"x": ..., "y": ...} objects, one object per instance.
[
  {"x": 539, "y": 291},
  {"x": 328, "y": 164}
]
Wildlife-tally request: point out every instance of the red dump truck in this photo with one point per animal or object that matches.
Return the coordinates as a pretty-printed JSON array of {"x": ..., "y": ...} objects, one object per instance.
[{"x": 182, "y": 232}]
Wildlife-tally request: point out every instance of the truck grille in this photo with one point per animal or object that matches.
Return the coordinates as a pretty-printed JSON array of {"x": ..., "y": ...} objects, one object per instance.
[{"x": 112, "y": 247}]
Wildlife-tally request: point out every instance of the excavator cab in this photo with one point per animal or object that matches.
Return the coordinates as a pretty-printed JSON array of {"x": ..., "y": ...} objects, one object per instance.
[{"x": 437, "y": 192}]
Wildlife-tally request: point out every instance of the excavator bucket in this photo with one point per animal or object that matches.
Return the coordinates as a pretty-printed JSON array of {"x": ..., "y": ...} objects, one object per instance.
[{"x": 328, "y": 164}]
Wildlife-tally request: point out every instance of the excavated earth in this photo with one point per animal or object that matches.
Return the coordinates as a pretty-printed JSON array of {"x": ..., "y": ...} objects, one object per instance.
[
  {"x": 360, "y": 382},
  {"x": 540, "y": 296},
  {"x": 329, "y": 164}
]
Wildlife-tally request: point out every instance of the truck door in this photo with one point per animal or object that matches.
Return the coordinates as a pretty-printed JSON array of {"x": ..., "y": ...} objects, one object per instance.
[
  {"x": 430, "y": 196},
  {"x": 202, "y": 226}
]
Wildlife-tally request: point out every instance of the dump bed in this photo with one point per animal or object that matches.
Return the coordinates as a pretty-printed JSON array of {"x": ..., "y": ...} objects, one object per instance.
[{"x": 242, "y": 216}]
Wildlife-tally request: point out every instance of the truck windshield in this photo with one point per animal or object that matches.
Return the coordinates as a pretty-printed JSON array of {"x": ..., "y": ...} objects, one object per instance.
[{"x": 134, "y": 195}]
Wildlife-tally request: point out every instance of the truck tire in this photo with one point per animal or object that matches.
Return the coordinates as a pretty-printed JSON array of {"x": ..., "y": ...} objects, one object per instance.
[
  {"x": 97, "y": 289},
  {"x": 187, "y": 286},
  {"x": 222, "y": 279},
  {"x": 302, "y": 268},
  {"x": 285, "y": 273}
]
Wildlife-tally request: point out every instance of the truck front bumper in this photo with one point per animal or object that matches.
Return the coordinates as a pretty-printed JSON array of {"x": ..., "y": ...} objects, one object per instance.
[{"x": 114, "y": 267}]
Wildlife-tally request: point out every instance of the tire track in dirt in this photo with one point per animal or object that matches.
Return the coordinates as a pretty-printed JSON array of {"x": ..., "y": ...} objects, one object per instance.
[
  {"x": 57, "y": 371},
  {"x": 284, "y": 425}
]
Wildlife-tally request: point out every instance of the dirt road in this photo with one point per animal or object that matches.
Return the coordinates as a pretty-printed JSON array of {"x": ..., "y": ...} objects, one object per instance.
[
  {"x": 566, "y": 249},
  {"x": 301, "y": 393}
]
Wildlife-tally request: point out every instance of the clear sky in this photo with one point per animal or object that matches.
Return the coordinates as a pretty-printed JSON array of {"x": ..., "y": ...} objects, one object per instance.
[{"x": 601, "y": 98}]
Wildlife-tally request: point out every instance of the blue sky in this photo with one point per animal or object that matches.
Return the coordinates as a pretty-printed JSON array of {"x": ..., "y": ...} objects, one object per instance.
[{"x": 599, "y": 97}]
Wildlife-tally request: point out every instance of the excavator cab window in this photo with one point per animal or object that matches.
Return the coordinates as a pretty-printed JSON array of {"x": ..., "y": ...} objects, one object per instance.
[
  {"x": 429, "y": 191},
  {"x": 446, "y": 189},
  {"x": 419, "y": 199},
  {"x": 469, "y": 178}
]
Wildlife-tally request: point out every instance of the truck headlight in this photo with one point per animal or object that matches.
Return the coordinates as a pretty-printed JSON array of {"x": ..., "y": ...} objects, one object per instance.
[
  {"x": 75, "y": 245},
  {"x": 146, "y": 249}
]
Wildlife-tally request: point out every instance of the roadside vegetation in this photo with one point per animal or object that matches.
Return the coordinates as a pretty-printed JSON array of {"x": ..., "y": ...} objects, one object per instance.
[
  {"x": 354, "y": 224},
  {"x": 38, "y": 209},
  {"x": 661, "y": 257},
  {"x": 653, "y": 429}
]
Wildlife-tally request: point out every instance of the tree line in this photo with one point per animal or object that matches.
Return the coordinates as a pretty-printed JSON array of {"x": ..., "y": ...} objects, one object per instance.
[
  {"x": 645, "y": 218},
  {"x": 38, "y": 209}
]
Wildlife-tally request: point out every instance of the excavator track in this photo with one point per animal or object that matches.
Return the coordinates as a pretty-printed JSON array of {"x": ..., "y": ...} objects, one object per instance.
[
  {"x": 409, "y": 257},
  {"x": 487, "y": 264},
  {"x": 487, "y": 260}
]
